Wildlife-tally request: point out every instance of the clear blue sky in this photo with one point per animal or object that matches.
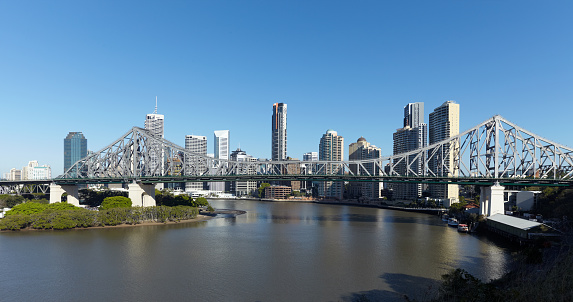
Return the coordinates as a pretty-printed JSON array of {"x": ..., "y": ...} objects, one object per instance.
[{"x": 96, "y": 67}]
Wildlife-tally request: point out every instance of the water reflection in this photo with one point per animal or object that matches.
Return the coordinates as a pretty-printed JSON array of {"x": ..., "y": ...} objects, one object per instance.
[{"x": 277, "y": 251}]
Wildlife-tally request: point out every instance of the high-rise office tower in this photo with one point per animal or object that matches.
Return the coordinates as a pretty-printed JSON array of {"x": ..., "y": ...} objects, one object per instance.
[
  {"x": 154, "y": 124},
  {"x": 444, "y": 123},
  {"x": 196, "y": 165},
  {"x": 360, "y": 150},
  {"x": 411, "y": 137},
  {"x": 279, "y": 127},
  {"x": 331, "y": 148},
  {"x": 221, "y": 143},
  {"x": 75, "y": 148}
]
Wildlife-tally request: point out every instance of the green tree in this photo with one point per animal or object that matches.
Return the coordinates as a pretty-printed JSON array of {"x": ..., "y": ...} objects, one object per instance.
[
  {"x": 262, "y": 189},
  {"x": 201, "y": 202},
  {"x": 9, "y": 201},
  {"x": 27, "y": 208},
  {"x": 115, "y": 202}
]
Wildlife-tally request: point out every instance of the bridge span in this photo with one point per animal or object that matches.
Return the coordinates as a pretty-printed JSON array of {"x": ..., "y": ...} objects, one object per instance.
[{"x": 492, "y": 154}]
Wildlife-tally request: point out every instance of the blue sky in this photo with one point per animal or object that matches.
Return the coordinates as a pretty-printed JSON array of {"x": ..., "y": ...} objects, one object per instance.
[{"x": 351, "y": 66}]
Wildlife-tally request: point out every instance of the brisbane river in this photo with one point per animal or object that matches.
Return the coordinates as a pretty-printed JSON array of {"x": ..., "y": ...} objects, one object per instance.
[{"x": 277, "y": 251}]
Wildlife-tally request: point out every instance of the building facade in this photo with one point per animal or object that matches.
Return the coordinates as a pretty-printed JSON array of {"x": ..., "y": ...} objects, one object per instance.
[
  {"x": 331, "y": 148},
  {"x": 413, "y": 135},
  {"x": 243, "y": 188},
  {"x": 75, "y": 148},
  {"x": 307, "y": 169},
  {"x": 154, "y": 123},
  {"x": 279, "y": 131},
  {"x": 221, "y": 143},
  {"x": 360, "y": 150},
  {"x": 196, "y": 165},
  {"x": 277, "y": 192},
  {"x": 444, "y": 123},
  {"x": 33, "y": 171}
]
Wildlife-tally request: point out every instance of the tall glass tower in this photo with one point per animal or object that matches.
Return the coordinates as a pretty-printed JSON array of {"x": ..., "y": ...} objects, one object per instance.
[{"x": 75, "y": 148}]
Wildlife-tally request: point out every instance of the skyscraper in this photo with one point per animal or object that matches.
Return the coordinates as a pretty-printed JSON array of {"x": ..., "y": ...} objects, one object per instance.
[
  {"x": 444, "y": 123},
  {"x": 75, "y": 148},
  {"x": 411, "y": 137},
  {"x": 154, "y": 124},
  {"x": 331, "y": 148},
  {"x": 279, "y": 131},
  {"x": 221, "y": 142},
  {"x": 196, "y": 144},
  {"x": 360, "y": 150}
]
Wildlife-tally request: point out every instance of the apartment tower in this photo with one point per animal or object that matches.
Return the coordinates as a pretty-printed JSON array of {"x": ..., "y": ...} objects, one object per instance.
[
  {"x": 413, "y": 135},
  {"x": 444, "y": 123},
  {"x": 331, "y": 148},
  {"x": 360, "y": 150},
  {"x": 279, "y": 131},
  {"x": 195, "y": 164}
]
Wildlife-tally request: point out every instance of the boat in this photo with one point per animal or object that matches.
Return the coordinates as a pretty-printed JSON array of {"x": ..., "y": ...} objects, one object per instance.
[
  {"x": 463, "y": 228},
  {"x": 453, "y": 222},
  {"x": 445, "y": 218}
]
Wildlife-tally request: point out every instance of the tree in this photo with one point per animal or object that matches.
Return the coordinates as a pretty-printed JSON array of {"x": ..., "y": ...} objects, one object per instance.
[
  {"x": 115, "y": 202},
  {"x": 262, "y": 189}
]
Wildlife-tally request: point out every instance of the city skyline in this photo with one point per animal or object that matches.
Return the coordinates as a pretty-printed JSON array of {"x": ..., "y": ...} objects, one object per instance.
[{"x": 70, "y": 74}]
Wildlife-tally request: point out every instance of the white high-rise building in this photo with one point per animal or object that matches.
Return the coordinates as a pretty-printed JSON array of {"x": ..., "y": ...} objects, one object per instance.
[
  {"x": 196, "y": 144},
  {"x": 154, "y": 124},
  {"x": 444, "y": 123},
  {"x": 279, "y": 131},
  {"x": 331, "y": 148},
  {"x": 221, "y": 142},
  {"x": 33, "y": 171}
]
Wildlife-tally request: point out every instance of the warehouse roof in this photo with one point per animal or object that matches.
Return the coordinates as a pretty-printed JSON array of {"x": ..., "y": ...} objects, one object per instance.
[{"x": 514, "y": 221}]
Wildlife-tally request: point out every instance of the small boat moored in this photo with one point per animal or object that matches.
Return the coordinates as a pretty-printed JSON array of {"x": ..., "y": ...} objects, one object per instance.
[
  {"x": 453, "y": 222},
  {"x": 463, "y": 228},
  {"x": 445, "y": 218}
]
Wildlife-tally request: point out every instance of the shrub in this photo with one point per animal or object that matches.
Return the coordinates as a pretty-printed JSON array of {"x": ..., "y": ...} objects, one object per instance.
[{"x": 115, "y": 202}]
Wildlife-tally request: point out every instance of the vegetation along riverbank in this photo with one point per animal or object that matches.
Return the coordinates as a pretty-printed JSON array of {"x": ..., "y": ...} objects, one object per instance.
[{"x": 112, "y": 211}]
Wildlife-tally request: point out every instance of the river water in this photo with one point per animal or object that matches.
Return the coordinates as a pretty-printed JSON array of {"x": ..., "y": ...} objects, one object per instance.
[{"x": 277, "y": 251}]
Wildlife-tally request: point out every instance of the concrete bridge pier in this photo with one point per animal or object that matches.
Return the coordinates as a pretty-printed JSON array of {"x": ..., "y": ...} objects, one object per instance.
[
  {"x": 56, "y": 192},
  {"x": 491, "y": 200},
  {"x": 141, "y": 194}
]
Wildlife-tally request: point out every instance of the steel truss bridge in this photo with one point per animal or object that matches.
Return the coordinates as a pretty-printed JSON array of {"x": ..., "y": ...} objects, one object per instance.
[{"x": 494, "y": 151}]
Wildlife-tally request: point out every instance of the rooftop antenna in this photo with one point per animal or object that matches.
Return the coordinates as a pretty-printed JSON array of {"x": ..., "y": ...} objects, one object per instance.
[{"x": 155, "y": 112}]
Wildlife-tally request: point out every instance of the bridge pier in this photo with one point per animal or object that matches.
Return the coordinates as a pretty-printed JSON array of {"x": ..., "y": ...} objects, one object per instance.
[
  {"x": 491, "y": 200},
  {"x": 56, "y": 192},
  {"x": 141, "y": 195}
]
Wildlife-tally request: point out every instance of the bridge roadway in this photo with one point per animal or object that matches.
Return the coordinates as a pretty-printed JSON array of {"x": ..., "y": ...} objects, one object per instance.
[{"x": 485, "y": 181}]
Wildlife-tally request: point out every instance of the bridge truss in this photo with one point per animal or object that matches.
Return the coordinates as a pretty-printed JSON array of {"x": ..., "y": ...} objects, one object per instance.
[{"x": 494, "y": 151}]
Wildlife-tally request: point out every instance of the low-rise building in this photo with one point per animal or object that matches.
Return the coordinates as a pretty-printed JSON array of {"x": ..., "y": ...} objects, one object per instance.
[{"x": 277, "y": 192}]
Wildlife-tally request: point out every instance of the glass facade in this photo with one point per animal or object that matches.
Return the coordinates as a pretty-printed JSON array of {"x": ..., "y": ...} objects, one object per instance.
[{"x": 75, "y": 148}]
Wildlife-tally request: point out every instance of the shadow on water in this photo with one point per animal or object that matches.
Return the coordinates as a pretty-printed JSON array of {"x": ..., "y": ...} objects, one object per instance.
[{"x": 404, "y": 288}]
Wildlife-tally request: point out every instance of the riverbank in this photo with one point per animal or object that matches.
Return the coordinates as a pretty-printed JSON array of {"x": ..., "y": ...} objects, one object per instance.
[{"x": 123, "y": 225}]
